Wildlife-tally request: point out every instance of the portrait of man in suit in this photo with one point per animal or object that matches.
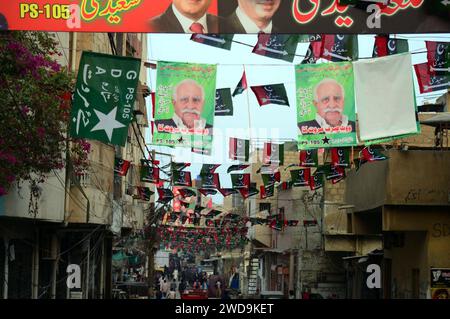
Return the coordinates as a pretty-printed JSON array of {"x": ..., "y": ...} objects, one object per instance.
[
  {"x": 329, "y": 97},
  {"x": 188, "y": 100},
  {"x": 186, "y": 16},
  {"x": 251, "y": 16}
]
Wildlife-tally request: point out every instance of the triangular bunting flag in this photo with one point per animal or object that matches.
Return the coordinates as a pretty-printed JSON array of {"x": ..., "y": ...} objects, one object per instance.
[
  {"x": 238, "y": 167},
  {"x": 277, "y": 46},
  {"x": 271, "y": 94},
  {"x": 221, "y": 41},
  {"x": 273, "y": 154},
  {"x": 121, "y": 166},
  {"x": 239, "y": 149},
  {"x": 224, "y": 103},
  {"x": 339, "y": 47},
  {"x": 242, "y": 85},
  {"x": 300, "y": 177}
]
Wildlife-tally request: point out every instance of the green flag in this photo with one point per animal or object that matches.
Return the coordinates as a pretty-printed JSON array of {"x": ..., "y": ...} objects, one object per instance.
[{"x": 104, "y": 97}]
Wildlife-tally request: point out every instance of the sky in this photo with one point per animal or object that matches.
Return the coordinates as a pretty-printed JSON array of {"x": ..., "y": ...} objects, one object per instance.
[{"x": 272, "y": 122}]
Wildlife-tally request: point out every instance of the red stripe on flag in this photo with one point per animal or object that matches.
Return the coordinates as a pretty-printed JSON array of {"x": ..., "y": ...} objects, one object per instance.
[
  {"x": 153, "y": 105},
  {"x": 233, "y": 147},
  {"x": 244, "y": 81},
  {"x": 381, "y": 45}
]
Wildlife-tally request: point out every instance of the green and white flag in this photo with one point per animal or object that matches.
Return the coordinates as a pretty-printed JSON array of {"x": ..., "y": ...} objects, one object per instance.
[
  {"x": 104, "y": 97},
  {"x": 325, "y": 105},
  {"x": 185, "y": 103}
]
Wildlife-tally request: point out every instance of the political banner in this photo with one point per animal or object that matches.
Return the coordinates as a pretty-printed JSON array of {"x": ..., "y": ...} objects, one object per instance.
[
  {"x": 185, "y": 103},
  {"x": 223, "y": 16},
  {"x": 325, "y": 105},
  {"x": 104, "y": 97}
]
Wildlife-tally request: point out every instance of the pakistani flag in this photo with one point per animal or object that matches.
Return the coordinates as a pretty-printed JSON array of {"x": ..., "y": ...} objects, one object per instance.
[
  {"x": 238, "y": 167},
  {"x": 300, "y": 177},
  {"x": 240, "y": 180},
  {"x": 438, "y": 55},
  {"x": 210, "y": 181},
  {"x": 273, "y": 154},
  {"x": 239, "y": 149},
  {"x": 144, "y": 193},
  {"x": 270, "y": 179},
  {"x": 429, "y": 82},
  {"x": 384, "y": 46},
  {"x": 340, "y": 157},
  {"x": 316, "y": 181},
  {"x": 242, "y": 85},
  {"x": 104, "y": 97},
  {"x": 208, "y": 169},
  {"x": 207, "y": 191},
  {"x": 339, "y": 47},
  {"x": 224, "y": 103},
  {"x": 266, "y": 191},
  {"x": 165, "y": 195},
  {"x": 271, "y": 94},
  {"x": 149, "y": 173},
  {"x": 277, "y": 46},
  {"x": 313, "y": 53},
  {"x": 181, "y": 178},
  {"x": 121, "y": 166},
  {"x": 221, "y": 41},
  {"x": 309, "y": 158},
  {"x": 227, "y": 191}
]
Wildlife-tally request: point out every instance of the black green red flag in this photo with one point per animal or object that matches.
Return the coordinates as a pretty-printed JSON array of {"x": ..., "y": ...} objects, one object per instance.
[
  {"x": 273, "y": 154},
  {"x": 277, "y": 46},
  {"x": 271, "y": 94},
  {"x": 316, "y": 181},
  {"x": 265, "y": 192},
  {"x": 224, "y": 103},
  {"x": 331, "y": 172},
  {"x": 250, "y": 191},
  {"x": 144, "y": 193},
  {"x": 238, "y": 167},
  {"x": 227, "y": 191},
  {"x": 438, "y": 57},
  {"x": 429, "y": 82},
  {"x": 221, "y": 41},
  {"x": 210, "y": 181},
  {"x": 384, "y": 46},
  {"x": 181, "y": 178},
  {"x": 165, "y": 195},
  {"x": 242, "y": 85},
  {"x": 149, "y": 173},
  {"x": 339, "y": 47},
  {"x": 208, "y": 169},
  {"x": 187, "y": 192},
  {"x": 270, "y": 179},
  {"x": 371, "y": 155},
  {"x": 313, "y": 53},
  {"x": 300, "y": 177},
  {"x": 340, "y": 157},
  {"x": 207, "y": 191},
  {"x": 121, "y": 166},
  {"x": 240, "y": 181},
  {"x": 239, "y": 149},
  {"x": 285, "y": 185},
  {"x": 309, "y": 158},
  {"x": 178, "y": 166}
]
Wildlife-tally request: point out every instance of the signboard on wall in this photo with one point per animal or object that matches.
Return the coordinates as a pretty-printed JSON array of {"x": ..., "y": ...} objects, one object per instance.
[
  {"x": 283, "y": 16},
  {"x": 440, "y": 283}
]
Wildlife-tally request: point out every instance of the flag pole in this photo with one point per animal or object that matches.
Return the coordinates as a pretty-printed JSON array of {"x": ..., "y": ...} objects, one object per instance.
[{"x": 248, "y": 109}]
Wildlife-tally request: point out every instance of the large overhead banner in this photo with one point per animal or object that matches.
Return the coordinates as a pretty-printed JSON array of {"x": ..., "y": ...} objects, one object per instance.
[
  {"x": 185, "y": 104},
  {"x": 325, "y": 105},
  {"x": 224, "y": 16}
]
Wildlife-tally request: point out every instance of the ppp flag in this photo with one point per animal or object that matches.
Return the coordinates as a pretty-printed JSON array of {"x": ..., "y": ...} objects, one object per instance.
[
  {"x": 271, "y": 94},
  {"x": 339, "y": 47}
]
